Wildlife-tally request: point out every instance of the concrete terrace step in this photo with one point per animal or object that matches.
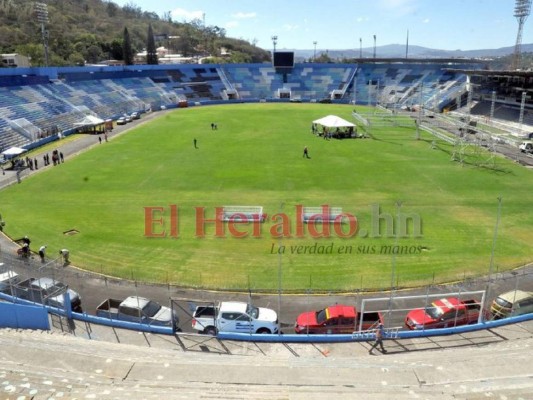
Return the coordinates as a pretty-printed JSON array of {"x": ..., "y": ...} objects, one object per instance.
[{"x": 44, "y": 365}]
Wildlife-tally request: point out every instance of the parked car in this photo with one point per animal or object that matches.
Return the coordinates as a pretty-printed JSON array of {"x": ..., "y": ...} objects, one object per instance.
[
  {"x": 335, "y": 319},
  {"x": 121, "y": 121},
  {"x": 8, "y": 280},
  {"x": 47, "y": 291},
  {"x": 135, "y": 115},
  {"x": 234, "y": 316},
  {"x": 137, "y": 309},
  {"x": 512, "y": 303},
  {"x": 526, "y": 146},
  {"x": 444, "y": 313}
]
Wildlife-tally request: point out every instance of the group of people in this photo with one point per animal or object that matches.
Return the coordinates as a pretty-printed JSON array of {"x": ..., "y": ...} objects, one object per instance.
[
  {"x": 32, "y": 163},
  {"x": 214, "y": 127},
  {"x": 337, "y": 133},
  {"x": 25, "y": 251},
  {"x": 57, "y": 158}
]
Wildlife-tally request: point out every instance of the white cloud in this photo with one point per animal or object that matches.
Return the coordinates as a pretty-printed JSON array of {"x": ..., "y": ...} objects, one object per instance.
[
  {"x": 231, "y": 24},
  {"x": 289, "y": 27},
  {"x": 179, "y": 14},
  {"x": 425, "y": 21},
  {"x": 242, "y": 15}
]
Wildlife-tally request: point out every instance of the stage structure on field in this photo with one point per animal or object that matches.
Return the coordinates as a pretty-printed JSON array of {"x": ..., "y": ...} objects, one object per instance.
[{"x": 380, "y": 117}]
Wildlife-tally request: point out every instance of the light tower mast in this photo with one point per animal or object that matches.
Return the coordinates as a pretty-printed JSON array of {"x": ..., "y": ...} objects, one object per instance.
[{"x": 521, "y": 12}]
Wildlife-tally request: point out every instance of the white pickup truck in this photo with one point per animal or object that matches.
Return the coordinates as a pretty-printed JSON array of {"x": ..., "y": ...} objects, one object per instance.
[
  {"x": 526, "y": 146},
  {"x": 137, "y": 309},
  {"x": 234, "y": 316}
]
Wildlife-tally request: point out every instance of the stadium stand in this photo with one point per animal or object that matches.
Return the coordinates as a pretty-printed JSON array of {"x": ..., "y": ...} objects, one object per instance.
[{"x": 35, "y": 103}]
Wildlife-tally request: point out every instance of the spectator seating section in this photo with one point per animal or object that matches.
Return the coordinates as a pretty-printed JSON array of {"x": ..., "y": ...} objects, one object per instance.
[{"x": 35, "y": 105}]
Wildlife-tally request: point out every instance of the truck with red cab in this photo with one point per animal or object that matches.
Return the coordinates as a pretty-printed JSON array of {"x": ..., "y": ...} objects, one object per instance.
[
  {"x": 444, "y": 313},
  {"x": 336, "y": 319}
]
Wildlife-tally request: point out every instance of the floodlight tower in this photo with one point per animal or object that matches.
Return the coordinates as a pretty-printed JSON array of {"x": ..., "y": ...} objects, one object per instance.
[
  {"x": 274, "y": 42},
  {"x": 521, "y": 12},
  {"x": 41, "y": 10}
]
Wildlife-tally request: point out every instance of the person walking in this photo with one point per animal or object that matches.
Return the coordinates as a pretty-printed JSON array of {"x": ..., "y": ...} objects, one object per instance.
[
  {"x": 380, "y": 331},
  {"x": 306, "y": 152},
  {"x": 194, "y": 142},
  {"x": 42, "y": 251}
]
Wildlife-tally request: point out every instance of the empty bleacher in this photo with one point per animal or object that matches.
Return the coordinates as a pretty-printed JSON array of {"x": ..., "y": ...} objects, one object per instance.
[{"x": 56, "y": 100}]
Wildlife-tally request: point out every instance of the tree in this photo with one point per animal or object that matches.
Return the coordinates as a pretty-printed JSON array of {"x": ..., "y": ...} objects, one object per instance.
[
  {"x": 127, "y": 51},
  {"x": 111, "y": 9},
  {"x": 151, "y": 53}
]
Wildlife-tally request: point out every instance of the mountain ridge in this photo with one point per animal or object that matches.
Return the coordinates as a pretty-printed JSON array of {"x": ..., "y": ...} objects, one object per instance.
[{"x": 399, "y": 50}]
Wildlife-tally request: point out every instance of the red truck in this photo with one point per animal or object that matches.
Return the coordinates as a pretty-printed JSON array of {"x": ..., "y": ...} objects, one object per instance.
[
  {"x": 444, "y": 313},
  {"x": 334, "y": 320}
]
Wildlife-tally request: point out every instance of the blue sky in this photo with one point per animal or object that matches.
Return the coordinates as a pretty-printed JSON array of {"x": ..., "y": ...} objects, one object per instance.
[{"x": 340, "y": 24}]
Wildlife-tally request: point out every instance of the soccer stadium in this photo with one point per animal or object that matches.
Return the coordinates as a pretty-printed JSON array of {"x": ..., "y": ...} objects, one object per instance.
[{"x": 401, "y": 187}]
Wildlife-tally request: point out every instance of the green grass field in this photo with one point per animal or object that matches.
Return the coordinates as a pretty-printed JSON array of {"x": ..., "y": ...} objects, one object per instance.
[{"x": 255, "y": 158}]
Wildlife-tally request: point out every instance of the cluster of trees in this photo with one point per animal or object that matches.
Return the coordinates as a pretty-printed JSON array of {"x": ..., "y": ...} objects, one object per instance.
[
  {"x": 506, "y": 62},
  {"x": 89, "y": 31}
]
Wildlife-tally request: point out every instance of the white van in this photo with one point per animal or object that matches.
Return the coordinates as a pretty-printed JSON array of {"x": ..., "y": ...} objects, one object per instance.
[{"x": 510, "y": 304}]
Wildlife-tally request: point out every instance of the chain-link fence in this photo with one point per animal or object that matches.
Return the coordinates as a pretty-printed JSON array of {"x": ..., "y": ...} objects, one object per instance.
[{"x": 95, "y": 290}]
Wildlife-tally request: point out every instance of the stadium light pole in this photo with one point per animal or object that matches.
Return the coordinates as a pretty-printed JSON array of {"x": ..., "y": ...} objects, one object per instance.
[
  {"x": 280, "y": 268},
  {"x": 274, "y": 42},
  {"x": 41, "y": 10},
  {"x": 521, "y": 12},
  {"x": 393, "y": 275},
  {"x": 314, "y": 51},
  {"x": 360, "y": 47},
  {"x": 374, "y": 47},
  {"x": 491, "y": 264}
]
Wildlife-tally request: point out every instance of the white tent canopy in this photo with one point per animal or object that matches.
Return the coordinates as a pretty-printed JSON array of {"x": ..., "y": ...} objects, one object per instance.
[
  {"x": 13, "y": 151},
  {"x": 90, "y": 120},
  {"x": 332, "y": 121}
]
